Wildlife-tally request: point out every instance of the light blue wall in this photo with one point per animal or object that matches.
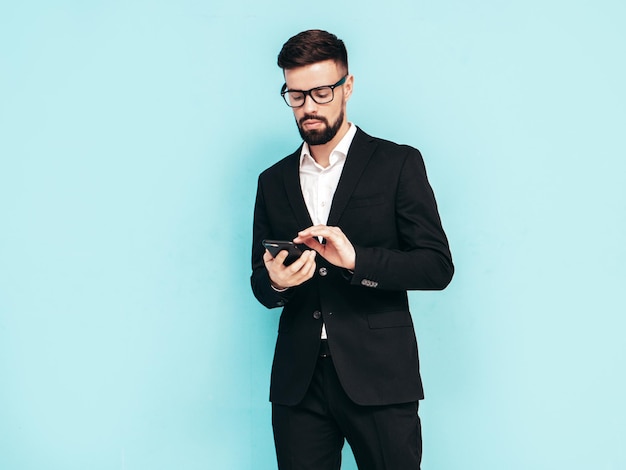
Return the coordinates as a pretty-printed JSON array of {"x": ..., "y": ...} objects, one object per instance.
[{"x": 131, "y": 136}]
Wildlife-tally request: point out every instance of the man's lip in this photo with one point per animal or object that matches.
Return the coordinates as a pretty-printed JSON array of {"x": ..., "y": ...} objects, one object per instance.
[{"x": 312, "y": 122}]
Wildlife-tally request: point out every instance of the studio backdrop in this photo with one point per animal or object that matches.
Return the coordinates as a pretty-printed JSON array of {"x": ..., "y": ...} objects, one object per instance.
[{"x": 131, "y": 137}]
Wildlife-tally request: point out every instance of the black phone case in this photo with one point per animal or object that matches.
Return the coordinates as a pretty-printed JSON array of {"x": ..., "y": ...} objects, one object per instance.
[{"x": 276, "y": 246}]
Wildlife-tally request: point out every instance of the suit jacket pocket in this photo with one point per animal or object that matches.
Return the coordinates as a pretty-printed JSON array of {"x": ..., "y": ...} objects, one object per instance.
[{"x": 390, "y": 319}]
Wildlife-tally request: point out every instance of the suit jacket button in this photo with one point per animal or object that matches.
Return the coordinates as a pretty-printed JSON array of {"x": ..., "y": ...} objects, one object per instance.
[
  {"x": 323, "y": 271},
  {"x": 317, "y": 314}
]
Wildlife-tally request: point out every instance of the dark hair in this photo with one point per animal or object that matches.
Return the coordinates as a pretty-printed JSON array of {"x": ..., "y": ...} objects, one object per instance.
[{"x": 310, "y": 47}]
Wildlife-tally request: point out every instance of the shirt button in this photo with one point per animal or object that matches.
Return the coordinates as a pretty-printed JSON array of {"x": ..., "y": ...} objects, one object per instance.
[
  {"x": 323, "y": 271},
  {"x": 317, "y": 314}
]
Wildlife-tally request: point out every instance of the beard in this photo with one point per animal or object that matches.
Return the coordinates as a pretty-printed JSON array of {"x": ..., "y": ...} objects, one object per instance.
[{"x": 320, "y": 136}]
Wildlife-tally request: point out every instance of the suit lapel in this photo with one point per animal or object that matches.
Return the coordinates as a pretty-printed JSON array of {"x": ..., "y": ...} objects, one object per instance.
[
  {"x": 361, "y": 150},
  {"x": 291, "y": 178}
]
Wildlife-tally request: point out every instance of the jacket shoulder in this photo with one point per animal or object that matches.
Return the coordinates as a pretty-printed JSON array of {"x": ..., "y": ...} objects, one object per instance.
[{"x": 387, "y": 148}]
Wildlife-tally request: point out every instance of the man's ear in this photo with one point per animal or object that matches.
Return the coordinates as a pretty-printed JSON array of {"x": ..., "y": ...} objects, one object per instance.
[{"x": 348, "y": 86}]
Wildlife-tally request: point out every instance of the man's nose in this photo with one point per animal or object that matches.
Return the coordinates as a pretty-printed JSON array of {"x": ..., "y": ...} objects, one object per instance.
[{"x": 309, "y": 104}]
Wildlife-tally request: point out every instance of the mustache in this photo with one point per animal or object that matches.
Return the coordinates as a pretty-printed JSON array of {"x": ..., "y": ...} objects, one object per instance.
[{"x": 315, "y": 117}]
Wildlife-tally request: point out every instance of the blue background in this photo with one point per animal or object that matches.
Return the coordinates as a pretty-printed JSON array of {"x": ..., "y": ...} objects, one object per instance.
[{"x": 131, "y": 136}]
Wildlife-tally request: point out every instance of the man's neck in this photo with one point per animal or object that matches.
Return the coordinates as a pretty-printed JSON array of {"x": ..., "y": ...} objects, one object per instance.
[{"x": 321, "y": 153}]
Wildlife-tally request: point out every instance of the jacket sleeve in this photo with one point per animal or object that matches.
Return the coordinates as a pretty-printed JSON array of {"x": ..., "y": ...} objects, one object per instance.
[
  {"x": 422, "y": 259},
  {"x": 260, "y": 281}
]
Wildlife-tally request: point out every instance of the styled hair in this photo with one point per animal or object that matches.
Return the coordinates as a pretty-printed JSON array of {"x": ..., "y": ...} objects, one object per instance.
[{"x": 310, "y": 47}]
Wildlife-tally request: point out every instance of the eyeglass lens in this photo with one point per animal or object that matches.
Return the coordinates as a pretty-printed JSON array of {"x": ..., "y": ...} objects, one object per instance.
[{"x": 321, "y": 95}]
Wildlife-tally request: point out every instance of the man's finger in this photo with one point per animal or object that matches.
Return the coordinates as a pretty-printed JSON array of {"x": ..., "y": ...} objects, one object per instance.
[
  {"x": 302, "y": 260},
  {"x": 312, "y": 243}
]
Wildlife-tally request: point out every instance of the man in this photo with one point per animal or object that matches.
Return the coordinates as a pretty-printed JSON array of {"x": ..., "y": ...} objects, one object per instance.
[{"x": 346, "y": 364}]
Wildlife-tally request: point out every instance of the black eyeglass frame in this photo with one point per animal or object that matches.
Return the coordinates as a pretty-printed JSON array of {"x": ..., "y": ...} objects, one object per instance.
[{"x": 284, "y": 91}]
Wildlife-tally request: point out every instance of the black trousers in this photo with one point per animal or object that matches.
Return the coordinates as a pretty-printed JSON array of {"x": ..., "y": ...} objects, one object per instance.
[{"x": 310, "y": 435}]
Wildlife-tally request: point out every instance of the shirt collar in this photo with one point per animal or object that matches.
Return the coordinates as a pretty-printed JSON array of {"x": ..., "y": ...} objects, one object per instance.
[{"x": 340, "y": 152}]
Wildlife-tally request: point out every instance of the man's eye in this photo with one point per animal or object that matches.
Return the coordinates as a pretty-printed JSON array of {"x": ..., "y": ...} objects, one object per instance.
[{"x": 322, "y": 94}]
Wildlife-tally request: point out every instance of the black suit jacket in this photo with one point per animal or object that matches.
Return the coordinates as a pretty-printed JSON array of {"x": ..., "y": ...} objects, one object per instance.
[{"x": 386, "y": 207}]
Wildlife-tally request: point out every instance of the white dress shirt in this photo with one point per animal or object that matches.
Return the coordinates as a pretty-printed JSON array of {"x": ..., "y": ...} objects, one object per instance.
[{"x": 319, "y": 184}]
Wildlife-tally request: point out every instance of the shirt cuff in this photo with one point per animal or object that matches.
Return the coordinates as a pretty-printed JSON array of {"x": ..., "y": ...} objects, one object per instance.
[{"x": 279, "y": 290}]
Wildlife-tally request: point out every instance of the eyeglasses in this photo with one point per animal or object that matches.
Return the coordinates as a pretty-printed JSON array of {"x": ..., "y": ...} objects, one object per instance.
[{"x": 320, "y": 94}]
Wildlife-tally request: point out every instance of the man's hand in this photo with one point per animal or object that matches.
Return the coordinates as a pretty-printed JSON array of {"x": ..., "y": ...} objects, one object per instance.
[
  {"x": 295, "y": 274},
  {"x": 337, "y": 250}
]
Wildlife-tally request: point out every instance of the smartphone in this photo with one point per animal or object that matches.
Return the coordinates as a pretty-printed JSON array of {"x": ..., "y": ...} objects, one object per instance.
[{"x": 276, "y": 246}]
